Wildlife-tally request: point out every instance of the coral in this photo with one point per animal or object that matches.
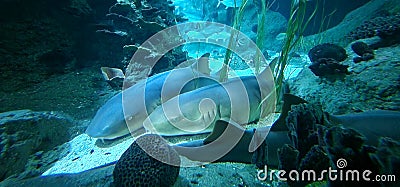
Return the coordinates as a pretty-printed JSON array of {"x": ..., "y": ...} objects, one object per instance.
[
  {"x": 316, "y": 159},
  {"x": 306, "y": 131},
  {"x": 137, "y": 167},
  {"x": 121, "y": 9},
  {"x": 317, "y": 144},
  {"x": 288, "y": 157},
  {"x": 326, "y": 60},
  {"x": 387, "y": 156},
  {"x": 360, "y": 48},
  {"x": 327, "y": 50},
  {"x": 302, "y": 122},
  {"x": 328, "y": 66},
  {"x": 363, "y": 50},
  {"x": 387, "y": 28},
  {"x": 24, "y": 132}
]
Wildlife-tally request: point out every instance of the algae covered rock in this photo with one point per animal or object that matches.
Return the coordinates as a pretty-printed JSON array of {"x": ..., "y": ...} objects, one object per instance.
[
  {"x": 327, "y": 50},
  {"x": 24, "y": 132},
  {"x": 138, "y": 167},
  {"x": 326, "y": 60}
]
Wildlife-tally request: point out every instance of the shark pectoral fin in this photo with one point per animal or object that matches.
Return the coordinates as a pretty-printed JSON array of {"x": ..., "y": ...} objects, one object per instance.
[
  {"x": 219, "y": 128},
  {"x": 111, "y": 73},
  {"x": 202, "y": 64},
  {"x": 288, "y": 101},
  {"x": 273, "y": 63}
]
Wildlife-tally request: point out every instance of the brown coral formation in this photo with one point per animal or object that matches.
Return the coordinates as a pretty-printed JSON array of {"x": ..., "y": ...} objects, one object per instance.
[
  {"x": 383, "y": 27},
  {"x": 326, "y": 60},
  {"x": 138, "y": 167},
  {"x": 363, "y": 51},
  {"x": 317, "y": 145}
]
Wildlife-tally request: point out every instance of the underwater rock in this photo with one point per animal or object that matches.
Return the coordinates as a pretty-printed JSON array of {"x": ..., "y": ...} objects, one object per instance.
[
  {"x": 343, "y": 140},
  {"x": 315, "y": 159},
  {"x": 347, "y": 151},
  {"x": 121, "y": 8},
  {"x": 360, "y": 48},
  {"x": 327, "y": 50},
  {"x": 24, "y": 132},
  {"x": 369, "y": 86},
  {"x": 55, "y": 61},
  {"x": 302, "y": 122},
  {"x": 383, "y": 27},
  {"x": 326, "y": 60},
  {"x": 238, "y": 64},
  {"x": 328, "y": 66},
  {"x": 317, "y": 146},
  {"x": 306, "y": 131},
  {"x": 133, "y": 23},
  {"x": 386, "y": 27},
  {"x": 363, "y": 50},
  {"x": 387, "y": 157},
  {"x": 288, "y": 157},
  {"x": 137, "y": 167}
]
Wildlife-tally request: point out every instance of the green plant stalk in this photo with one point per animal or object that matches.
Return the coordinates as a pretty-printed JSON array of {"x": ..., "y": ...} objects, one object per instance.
[
  {"x": 296, "y": 26},
  {"x": 232, "y": 40},
  {"x": 260, "y": 37}
]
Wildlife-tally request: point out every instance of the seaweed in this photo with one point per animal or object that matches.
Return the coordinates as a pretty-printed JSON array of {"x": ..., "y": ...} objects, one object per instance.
[
  {"x": 234, "y": 33},
  {"x": 294, "y": 32},
  {"x": 296, "y": 27},
  {"x": 260, "y": 36}
]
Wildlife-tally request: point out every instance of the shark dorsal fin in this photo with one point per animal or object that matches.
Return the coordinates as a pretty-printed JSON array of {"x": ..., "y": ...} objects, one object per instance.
[
  {"x": 202, "y": 64},
  {"x": 288, "y": 101},
  {"x": 265, "y": 74}
]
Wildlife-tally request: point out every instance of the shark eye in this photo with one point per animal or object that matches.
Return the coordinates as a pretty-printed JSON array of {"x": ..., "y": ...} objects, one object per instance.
[{"x": 130, "y": 118}]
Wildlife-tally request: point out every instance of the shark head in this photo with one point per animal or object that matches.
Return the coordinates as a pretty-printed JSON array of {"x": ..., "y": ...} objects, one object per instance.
[{"x": 109, "y": 121}]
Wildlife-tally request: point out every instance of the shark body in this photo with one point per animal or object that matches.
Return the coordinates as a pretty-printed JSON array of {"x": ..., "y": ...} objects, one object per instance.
[
  {"x": 126, "y": 111},
  {"x": 237, "y": 100}
]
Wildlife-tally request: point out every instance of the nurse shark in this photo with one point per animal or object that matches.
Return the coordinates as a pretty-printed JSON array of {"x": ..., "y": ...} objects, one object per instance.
[
  {"x": 237, "y": 100},
  {"x": 141, "y": 99}
]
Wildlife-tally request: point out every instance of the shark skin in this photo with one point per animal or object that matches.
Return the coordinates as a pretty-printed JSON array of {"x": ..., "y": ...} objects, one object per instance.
[
  {"x": 126, "y": 111},
  {"x": 372, "y": 124},
  {"x": 196, "y": 150},
  {"x": 197, "y": 111}
]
